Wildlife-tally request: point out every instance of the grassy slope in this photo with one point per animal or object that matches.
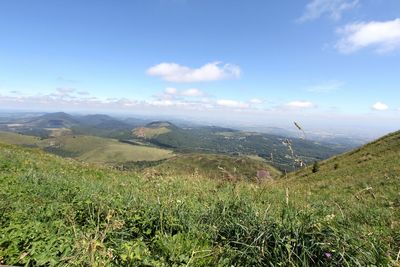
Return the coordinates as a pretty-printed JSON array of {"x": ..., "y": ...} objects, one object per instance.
[
  {"x": 89, "y": 148},
  {"x": 120, "y": 152},
  {"x": 97, "y": 149},
  {"x": 57, "y": 211},
  {"x": 148, "y": 133},
  {"x": 375, "y": 166},
  {"x": 79, "y": 144},
  {"x": 215, "y": 166},
  {"x": 18, "y": 139},
  {"x": 362, "y": 186}
]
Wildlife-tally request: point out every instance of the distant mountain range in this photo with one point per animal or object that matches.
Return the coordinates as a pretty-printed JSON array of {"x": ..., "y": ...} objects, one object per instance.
[{"x": 284, "y": 152}]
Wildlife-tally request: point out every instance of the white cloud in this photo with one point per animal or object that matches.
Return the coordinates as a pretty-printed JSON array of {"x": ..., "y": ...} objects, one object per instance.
[
  {"x": 125, "y": 102},
  {"x": 231, "y": 103},
  {"x": 256, "y": 101},
  {"x": 197, "y": 99},
  {"x": 184, "y": 103},
  {"x": 384, "y": 36},
  {"x": 213, "y": 71},
  {"x": 300, "y": 104},
  {"x": 379, "y": 106},
  {"x": 163, "y": 103},
  {"x": 332, "y": 8},
  {"x": 61, "y": 98},
  {"x": 192, "y": 92},
  {"x": 326, "y": 87},
  {"x": 171, "y": 91}
]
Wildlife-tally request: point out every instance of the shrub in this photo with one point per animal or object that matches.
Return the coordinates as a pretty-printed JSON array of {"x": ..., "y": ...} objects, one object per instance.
[
  {"x": 336, "y": 166},
  {"x": 315, "y": 167}
]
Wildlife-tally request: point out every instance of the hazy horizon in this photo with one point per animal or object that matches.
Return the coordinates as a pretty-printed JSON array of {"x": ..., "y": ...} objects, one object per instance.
[{"x": 318, "y": 129}]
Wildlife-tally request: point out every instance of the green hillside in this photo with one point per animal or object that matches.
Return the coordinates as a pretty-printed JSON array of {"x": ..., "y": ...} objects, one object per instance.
[
  {"x": 55, "y": 211},
  {"x": 373, "y": 165},
  {"x": 116, "y": 152},
  {"x": 89, "y": 148},
  {"x": 18, "y": 139},
  {"x": 364, "y": 183},
  {"x": 148, "y": 133},
  {"x": 223, "y": 140},
  {"x": 216, "y": 166},
  {"x": 50, "y": 124}
]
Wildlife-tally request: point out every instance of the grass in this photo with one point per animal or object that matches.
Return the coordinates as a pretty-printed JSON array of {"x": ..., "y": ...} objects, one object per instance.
[
  {"x": 256, "y": 157},
  {"x": 215, "y": 166},
  {"x": 148, "y": 133},
  {"x": 79, "y": 144},
  {"x": 57, "y": 132},
  {"x": 18, "y": 139},
  {"x": 56, "y": 211},
  {"x": 89, "y": 148},
  {"x": 121, "y": 152}
]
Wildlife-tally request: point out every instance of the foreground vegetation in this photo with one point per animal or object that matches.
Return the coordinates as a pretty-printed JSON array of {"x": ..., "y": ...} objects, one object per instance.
[
  {"x": 216, "y": 166},
  {"x": 56, "y": 211}
]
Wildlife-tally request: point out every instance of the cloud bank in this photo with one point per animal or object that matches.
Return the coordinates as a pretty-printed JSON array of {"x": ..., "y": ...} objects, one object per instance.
[
  {"x": 300, "y": 105},
  {"x": 192, "y": 92},
  {"x": 173, "y": 72}
]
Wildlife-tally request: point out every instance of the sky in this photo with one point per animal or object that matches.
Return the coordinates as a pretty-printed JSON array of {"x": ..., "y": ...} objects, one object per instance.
[{"x": 329, "y": 64}]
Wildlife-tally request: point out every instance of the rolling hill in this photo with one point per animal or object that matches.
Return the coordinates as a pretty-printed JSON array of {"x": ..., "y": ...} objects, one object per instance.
[
  {"x": 281, "y": 152},
  {"x": 87, "y": 148},
  {"x": 18, "y": 139},
  {"x": 47, "y": 124},
  {"x": 153, "y": 129},
  {"x": 370, "y": 173},
  {"x": 56, "y": 211},
  {"x": 216, "y": 166},
  {"x": 212, "y": 139}
]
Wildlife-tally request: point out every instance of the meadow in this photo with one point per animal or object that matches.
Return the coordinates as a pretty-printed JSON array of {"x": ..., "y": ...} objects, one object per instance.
[
  {"x": 89, "y": 148},
  {"x": 216, "y": 166},
  {"x": 59, "y": 212}
]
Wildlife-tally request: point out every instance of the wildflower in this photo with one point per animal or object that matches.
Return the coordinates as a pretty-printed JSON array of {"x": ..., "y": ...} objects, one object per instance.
[
  {"x": 330, "y": 217},
  {"x": 328, "y": 255}
]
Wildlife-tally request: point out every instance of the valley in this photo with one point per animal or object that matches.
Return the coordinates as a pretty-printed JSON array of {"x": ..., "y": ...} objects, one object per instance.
[{"x": 108, "y": 140}]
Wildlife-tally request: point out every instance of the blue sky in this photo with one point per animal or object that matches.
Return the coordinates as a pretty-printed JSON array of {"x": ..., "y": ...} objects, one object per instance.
[{"x": 323, "y": 62}]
